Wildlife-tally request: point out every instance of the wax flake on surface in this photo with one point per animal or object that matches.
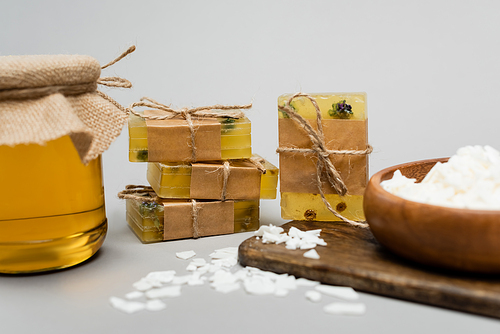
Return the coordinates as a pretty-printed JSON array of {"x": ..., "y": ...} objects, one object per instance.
[
  {"x": 227, "y": 288},
  {"x": 295, "y": 239},
  {"x": 222, "y": 278},
  {"x": 196, "y": 279},
  {"x": 145, "y": 284},
  {"x": 191, "y": 267},
  {"x": 180, "y": 280},
  {"x": 224, "y": 253},
  {"x": 168, "y": 291},
  {"x": 285, "y": 281},
  {"x": 259, "y": 285},
  {"x": 127, "y": 306},
  {"x": 162, "y": 276},
  {"x": 155, "y": 305},
  {"x": 281, "y": 292},
  {"x": 226, "y": 262},
  {"x": 198, "y": 262},
  {"x": 185, "y": 255},
  {"x": 345, "y": 308},
  {"x": 134, "y": 295},
  {"x": 343, "y": 292},
  {"x": 312, "y": 254},
  {"x": 313, "y": 296},
  {"x": 306, "y": 282}
]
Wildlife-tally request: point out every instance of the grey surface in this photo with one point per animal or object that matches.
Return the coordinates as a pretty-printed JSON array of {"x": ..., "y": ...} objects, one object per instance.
[{"x": 430, "y": 69}]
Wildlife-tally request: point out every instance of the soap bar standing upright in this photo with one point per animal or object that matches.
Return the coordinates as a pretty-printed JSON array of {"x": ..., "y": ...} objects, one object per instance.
[{"x": 344, "y": 125}]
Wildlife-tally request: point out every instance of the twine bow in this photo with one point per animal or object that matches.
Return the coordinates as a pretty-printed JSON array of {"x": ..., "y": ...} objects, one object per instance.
[
  {"x": 324, "y": 166},
  {"x": 188, "y": 114}
]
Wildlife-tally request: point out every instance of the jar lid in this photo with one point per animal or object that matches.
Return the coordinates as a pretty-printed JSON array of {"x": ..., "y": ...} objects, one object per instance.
[
  {"x": 42, "y": 71},
  {"x": 44, "y": 97}
]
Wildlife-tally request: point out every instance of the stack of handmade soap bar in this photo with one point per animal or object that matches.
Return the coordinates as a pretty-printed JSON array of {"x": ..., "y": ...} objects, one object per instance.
[
  {"x": 204, "y": 177},
  {"x": 317, "y": 144}
]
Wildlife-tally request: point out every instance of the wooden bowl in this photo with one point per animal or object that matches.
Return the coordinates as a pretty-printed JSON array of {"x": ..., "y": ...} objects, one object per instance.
[{"x": 460, "y": 239}]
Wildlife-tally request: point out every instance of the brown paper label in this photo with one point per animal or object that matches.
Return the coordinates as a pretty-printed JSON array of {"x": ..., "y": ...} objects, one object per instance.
[
  {"x": 170, "y": 140},
  {"x": 214, "y": 218},
  {"x": 207, "y": 180},
  {"x": 298, "y": 170}
]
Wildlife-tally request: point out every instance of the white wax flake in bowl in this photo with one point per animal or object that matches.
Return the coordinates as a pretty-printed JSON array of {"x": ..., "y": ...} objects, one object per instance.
[
  {"x": 470, "y": 180},
  {"x": 158, "y": 285},
  {"x": 185, "y": 255}
]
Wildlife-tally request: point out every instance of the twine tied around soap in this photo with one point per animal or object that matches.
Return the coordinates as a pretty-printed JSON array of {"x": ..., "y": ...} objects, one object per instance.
[
  {"x": 146, "y": 194},
  {"x": 257, "y": 161},
  {"x": 229, "y": 111},
  {"x": 324, "y": 166},
  {"x": 138, "y": 192}
]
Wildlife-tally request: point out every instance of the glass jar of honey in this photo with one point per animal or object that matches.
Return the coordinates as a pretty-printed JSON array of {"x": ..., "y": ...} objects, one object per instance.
[
  {"x": 53, "y": 128},
  {"x": 52, "y": 212}
]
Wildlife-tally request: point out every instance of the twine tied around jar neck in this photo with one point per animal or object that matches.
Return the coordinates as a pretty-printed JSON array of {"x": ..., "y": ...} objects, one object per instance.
[
  {"x": 228, "y": 111},
  {"x": 71, "y": 89},
  {"x": 324, "y": 166},
  {"x": 46, "y": 97}
]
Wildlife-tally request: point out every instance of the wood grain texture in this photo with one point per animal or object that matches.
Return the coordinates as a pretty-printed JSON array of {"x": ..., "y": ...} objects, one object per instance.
[{"x": 353, "y": 257}]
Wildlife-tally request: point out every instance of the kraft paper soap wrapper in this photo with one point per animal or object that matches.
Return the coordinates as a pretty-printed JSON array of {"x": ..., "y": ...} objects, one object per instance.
[
  {"x": 298, "y": 170},
  {"x": 170, "y": 140},
  {"x": 243, "y": 183},
  {"x": 214, "y": 218}
]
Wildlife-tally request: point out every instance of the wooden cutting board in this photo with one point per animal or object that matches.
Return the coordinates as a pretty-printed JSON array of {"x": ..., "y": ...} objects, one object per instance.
[{"x": 354, "y": 258}]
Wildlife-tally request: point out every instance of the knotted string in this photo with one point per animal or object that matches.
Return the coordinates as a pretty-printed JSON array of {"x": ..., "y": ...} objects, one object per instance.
[
  {"x": 194, "y": 214},
  {"x": 138, "y": 192},
  {"x": 71, "y": 90},
  {"x": 257, "y": 161},
  {"x": 115, "y": 81},
  {"x": 187, "y": 114},
  {"x": 324, "y": 166},
  {"x": 226, "y": 172}
]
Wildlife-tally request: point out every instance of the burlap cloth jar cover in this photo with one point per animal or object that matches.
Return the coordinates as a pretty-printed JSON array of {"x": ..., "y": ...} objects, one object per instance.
[
  {"x": 54, "y": 125},
  {"x": 43, "y": 98}
]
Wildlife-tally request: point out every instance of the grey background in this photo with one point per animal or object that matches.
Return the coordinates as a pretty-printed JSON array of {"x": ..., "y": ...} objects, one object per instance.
[{"x": 431, "y": 72}]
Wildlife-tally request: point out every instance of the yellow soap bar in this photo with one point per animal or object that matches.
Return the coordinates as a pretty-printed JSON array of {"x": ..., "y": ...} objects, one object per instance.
[
  {"x": 347, "y": 108},
  {"x": 298, "y": 206},
  {"x": 147, "y": 219},
  {"x": 173, "y": 180},
  {"x": 235, "y": 139}
]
